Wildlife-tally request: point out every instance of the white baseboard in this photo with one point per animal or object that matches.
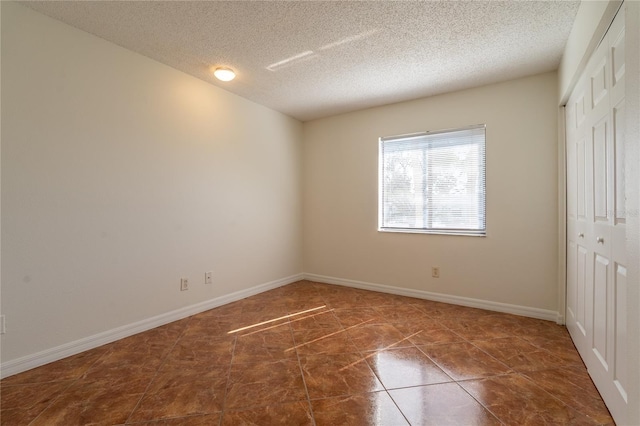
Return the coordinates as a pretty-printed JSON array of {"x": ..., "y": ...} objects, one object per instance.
[
  {"x": 28, "y": 362},
  {"x": 445, "y": 298}
]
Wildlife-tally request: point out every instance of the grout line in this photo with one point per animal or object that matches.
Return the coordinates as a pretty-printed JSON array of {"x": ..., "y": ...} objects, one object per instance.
[
  {"x": 304, "y": 381},
  {"x": 552, "y": 395},
  {"x": 226, "y": 388},
  {"x": 53, "y": 400},
  {"x": 384, "y": 387},
  {"x": 480, "y": 402},
  {"x": 164, "y": 360},
  {"x": 62, "y": 392}
]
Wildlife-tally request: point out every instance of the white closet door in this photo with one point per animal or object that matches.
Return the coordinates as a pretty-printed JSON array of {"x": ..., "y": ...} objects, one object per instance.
[{"x": 596, "y": 258}]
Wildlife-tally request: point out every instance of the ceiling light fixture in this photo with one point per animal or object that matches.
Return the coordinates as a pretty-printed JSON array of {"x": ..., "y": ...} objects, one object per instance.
[{"x": 224, "y": 74}]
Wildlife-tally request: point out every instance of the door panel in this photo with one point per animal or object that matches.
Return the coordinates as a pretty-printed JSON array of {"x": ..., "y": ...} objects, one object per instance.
[
  {"x": 581, "y": 179},
  {"x": 617, "y": 57},
  {"x": 600, "y": 175},
  {"x": 596, "y": 216},
  {"x": 620, "y": 293},
  {"x": 599, "y": 83},
  {"x": 572, "y": 290},
  {"x": 600, "y": 315},
  {"x": 582, "y": 291},
  {"x": 618, "y": 153}
]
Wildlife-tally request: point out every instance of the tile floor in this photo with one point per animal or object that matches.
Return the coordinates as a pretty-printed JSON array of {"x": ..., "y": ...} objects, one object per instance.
[{"x": 311, "y": 353}]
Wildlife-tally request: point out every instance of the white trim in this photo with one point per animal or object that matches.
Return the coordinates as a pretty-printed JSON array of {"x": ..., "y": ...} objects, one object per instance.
[
  {"x": 526, "y": 311},
  {"x": 562, "y": 214},
  {"x": 28, "y": 362}
]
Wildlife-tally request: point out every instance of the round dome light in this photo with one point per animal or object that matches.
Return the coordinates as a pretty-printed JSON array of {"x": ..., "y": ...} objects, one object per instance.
[{"x": 224, "y": 74}]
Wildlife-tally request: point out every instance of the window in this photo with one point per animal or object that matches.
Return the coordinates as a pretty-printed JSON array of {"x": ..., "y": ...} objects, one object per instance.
[{"x": 433, "y": 182}]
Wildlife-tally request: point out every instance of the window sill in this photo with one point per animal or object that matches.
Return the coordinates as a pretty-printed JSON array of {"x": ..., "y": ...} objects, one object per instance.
[{"x": 463, "y": 233}]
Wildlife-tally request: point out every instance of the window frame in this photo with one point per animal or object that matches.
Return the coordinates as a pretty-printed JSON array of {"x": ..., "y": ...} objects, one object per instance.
[{"x": 437, "y": 231}]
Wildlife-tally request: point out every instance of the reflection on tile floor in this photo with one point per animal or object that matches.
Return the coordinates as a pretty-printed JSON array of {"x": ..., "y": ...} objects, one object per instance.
[{"x": 311, "y": 353}]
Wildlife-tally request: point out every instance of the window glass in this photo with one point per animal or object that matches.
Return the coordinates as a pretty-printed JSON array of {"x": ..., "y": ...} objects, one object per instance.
[{"x": 433, "y": 182}]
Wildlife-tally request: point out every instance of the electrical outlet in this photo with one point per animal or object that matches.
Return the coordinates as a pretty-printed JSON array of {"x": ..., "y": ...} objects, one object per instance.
[
  {"x": 208, "y": 277},
  {"x": 2, "y": 325},
  {"x": 184, "y": 284},
  {"x": 435, "y": 272}
]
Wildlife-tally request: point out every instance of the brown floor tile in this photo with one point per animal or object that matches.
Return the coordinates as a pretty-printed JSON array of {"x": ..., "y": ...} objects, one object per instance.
[
  {"x": 311, "y": 352},
  {"x": 573, "y": 386},
  {"x": 263, "y": 311},
  {"x": 300, "y": 289},
  {"x": 92, "y": 403},
  {"x": 203, "y": 348},
  {"x": 268, "y": 345},
  {"x": 350, "y": 317},
  {"x": 66, "y": 369},
  {"x": 20, "y": 404},
  {"x": 144, "y": 359},
  {"x": 501, "y": 319},
  {"x": 254, "y": 321},
  {"x": 428, "y": 332},
  {"x": 541, "y": 328},
  {"x": 354, "y": 298},
  {"x": 321, "y": 341},
  {"x": 321, "y": 288},
  {"x": 372, "y": 337},
  {"x": 376, "y": 299},
  {"x": 264, "y": 383},
  {"x": 516, "y": 400},
  {"x": 518, "y": 354},
  {"x": 296, "y": 305},
  {"x": 401, "y": 314},
  {"x": 208, "y": 324},
  {"x": 436, "y": 310},
  {"x": 292, "y": 413},
  {"x": 340, "y": 374},
  {"x": 319, "y": 319},
  {"x": 472, "y": 329},
  {"x": 179, "y": 392},
  {"x": 375, "y": 408},
  {"x": 434, "y": 337},
  {"x": 463, "y": 361},
  {"x": 442, "y": 404},
  {"x": 404, "y": 367},
  {"x": 343, "y": 302},
  {"x": 135, "y": 379},
  {"x": 145, "y": 351},
  {"x": 562, "y": 347},
  {"x": 197, "y": 420},
  {"x": 469, "y": 314},
  {"x": 419, "y": 324},
  {"x": 124, "y": 365}
]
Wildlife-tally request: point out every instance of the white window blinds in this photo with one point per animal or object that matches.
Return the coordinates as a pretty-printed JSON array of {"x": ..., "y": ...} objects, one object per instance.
[{"x": 433, "y": 182}]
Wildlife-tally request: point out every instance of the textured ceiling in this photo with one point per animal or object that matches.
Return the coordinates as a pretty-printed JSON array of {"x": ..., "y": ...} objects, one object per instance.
[{"x": 312, "y": 59}]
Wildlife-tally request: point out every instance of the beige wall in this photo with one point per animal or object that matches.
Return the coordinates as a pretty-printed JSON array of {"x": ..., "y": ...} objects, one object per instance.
[
  {"x": 121, "y": 175},
  {"x": 516, "y": 263}
]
